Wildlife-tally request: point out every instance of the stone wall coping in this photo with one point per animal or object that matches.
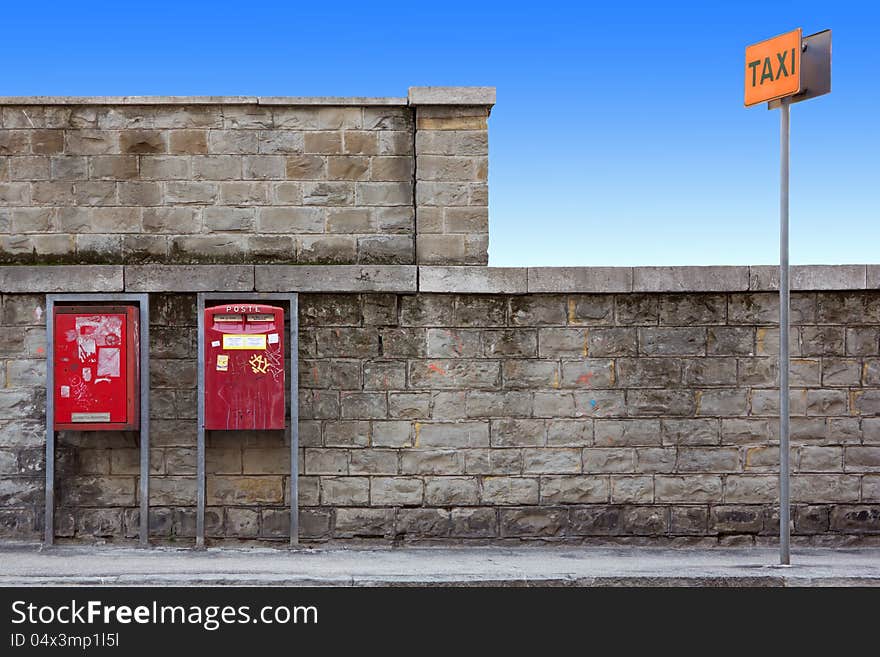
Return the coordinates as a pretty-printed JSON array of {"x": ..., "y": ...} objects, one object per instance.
[
  {"x": 201, "y": 100},
  {"x": 452, "y": 96},
  {"x": 416, "y": 96},
  {"x": 403, "y": 279},
  {"x": 336, "y": 278},
  {"x": 189, "y": 278},
  {"x": 477, "y": 280},
  {"x": 24, "y": 279}
]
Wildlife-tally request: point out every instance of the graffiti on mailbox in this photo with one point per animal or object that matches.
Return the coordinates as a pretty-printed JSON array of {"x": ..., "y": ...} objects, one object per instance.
[
  {"x": 94, "y": 367},
  {"x": 244, "y": 373}
]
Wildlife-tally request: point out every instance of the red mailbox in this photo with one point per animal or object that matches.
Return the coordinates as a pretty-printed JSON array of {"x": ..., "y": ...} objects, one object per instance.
[
  {"x": 96, "y": 375},
  {"x": 244, "y": 367}
]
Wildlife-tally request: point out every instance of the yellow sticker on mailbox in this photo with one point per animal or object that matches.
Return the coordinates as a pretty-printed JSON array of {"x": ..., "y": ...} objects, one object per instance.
[
  {"x": 222, "y": 362},
  {"x": 235, "y": 341}
]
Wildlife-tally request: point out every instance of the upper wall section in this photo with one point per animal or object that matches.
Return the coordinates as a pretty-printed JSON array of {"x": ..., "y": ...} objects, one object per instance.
[{"x": 187, "y": 180}]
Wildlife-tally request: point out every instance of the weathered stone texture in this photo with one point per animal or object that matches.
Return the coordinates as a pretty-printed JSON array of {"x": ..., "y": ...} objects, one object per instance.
[
  {"x": 439, "y": 401},
  {"x": 461, "y": 417},
  {"x": 213, "y": 179}
]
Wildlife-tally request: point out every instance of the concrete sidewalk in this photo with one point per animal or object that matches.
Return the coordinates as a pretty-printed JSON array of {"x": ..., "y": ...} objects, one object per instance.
[{"x": 28, "y": 565}]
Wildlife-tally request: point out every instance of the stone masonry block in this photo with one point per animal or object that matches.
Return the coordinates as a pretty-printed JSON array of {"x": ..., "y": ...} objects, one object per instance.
[
  {"x": 590, "y": 309},
  {"x": 552, "y": 460},
  {"x": 449, "y": 435},
  {"x": 691, "y": 432},
  {"x": 735, "y": 519},
  {"x": 356, "y": 522},
  {"x": 688, "y": 520},
  {"x": 648, "y": 372},
  {"x": 567, "y": 342},
  {"x": 189, "y": 278},
  {"x": 423, "y": 523},
  {"x": 506, "y": 404},
  {"x": 474, "y": 523},
  {"x": 672, "y": 341},
  {"x": 597, "y": 520},
  {"x": 691, "y": 309},
  {"x": 708, "y": 459},
  {"x": 336, "y": 278},
  {"x": 655, "y": 459},
  {"x": 604, "y": 459},
  {"x": 813, "y": 488},
  {"x": 440, "y": 249},
  {"x": 601, "y": 280},
  {"x": 374, "y": 462},
  {"x": 497, "y": 280},
  {"x": 452, "y": 142},
  {"x": 61, "y": 278},
  {"x": 345, "y": 491},
  {"x": 335, "y": 249},
  {"x": 531, "y": 373},
  {"x": 397, "y": 491},
  {"x": 810, "y": 277},
  {"x": 664, "y": 403},
  {"x": 510, "y": 342},
  {"x": 510, "y": 490},
  {"x": 763, "y": 308},
  {"x": 432, "y": 462},
  {"x": 385, "y": 249},
  {"x": 454, "y": 374},
  {"x": 690, "y": 279},
  {"x": 864, "y": 519},
  {"x": 511, "y": 432},
  {"x": 451, "y": 343},
  {"x": 751, "y": 489},
  {"x": 451, "y": 96},
  {"x": 687, "y": 489},
  {"x": 480, "y": 311},
  {"x": 575, "y": 489},
  {"x": 632, "y": 490},
  {"x": 452, "y": 491}
]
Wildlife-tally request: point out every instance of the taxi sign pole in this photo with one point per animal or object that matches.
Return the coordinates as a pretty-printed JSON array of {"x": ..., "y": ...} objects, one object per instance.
[
  {"x": 784, "y": 298},
  {"x": 786, "y": 69}
]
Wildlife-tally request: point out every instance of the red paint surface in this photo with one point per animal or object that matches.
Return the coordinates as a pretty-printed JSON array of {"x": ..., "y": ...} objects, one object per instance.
[
  {"x": 96, "y": 367},
  {"x": 249, "y": 394}
]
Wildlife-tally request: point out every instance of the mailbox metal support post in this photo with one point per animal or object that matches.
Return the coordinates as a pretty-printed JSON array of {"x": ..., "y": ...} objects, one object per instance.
[
  {"x": 293, "y": 346},
  {"x": 143, "y": 302}
]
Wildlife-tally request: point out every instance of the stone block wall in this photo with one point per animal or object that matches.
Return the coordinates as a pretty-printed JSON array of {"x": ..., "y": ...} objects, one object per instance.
[
  {"x": 628, "y": 417},
  {"x": 452, "y": 196},
  {"x": 438, "y": 400},
  {"x": 256, "y": 180}
]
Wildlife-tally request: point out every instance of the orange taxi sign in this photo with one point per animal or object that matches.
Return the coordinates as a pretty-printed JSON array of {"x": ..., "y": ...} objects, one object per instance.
[{"x": 773, "y": 68}]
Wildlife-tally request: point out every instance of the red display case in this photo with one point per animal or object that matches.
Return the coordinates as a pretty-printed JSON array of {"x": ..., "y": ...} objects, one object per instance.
[
  {"x": 244, "y": 367},
  {"x": 96, "y": 368}
]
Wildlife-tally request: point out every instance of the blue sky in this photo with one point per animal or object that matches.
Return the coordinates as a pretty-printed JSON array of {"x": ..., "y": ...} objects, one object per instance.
[{"x": 619, "y": 137}]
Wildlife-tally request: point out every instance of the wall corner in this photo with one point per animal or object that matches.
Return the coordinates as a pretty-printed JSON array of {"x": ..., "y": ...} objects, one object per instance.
[{"x": 451, "y": 174}]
